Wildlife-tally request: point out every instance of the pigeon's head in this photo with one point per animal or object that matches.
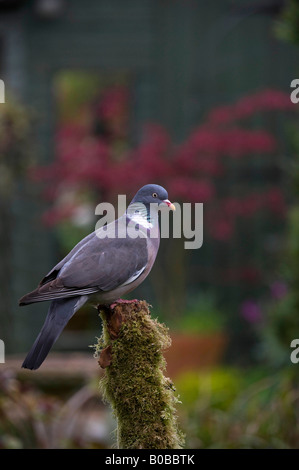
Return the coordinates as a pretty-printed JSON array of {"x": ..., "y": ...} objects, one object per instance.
[{"x": 153, "y": 194}]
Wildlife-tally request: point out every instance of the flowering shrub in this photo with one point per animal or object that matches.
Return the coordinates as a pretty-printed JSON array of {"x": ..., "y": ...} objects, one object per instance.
[
  {"x": 223, "y": 163},
  {"x": 87, "y": 168}
]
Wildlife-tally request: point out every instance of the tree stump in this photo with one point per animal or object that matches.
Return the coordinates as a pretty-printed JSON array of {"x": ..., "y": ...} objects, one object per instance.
[{"x": 142, "y": 398}]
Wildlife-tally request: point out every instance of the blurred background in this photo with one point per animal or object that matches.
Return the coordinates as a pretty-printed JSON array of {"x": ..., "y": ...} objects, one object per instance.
[{"x": 102, "y": 97}]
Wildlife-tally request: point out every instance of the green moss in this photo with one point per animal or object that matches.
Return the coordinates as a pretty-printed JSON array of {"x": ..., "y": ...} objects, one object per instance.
[{"x": 142, "y": 398}]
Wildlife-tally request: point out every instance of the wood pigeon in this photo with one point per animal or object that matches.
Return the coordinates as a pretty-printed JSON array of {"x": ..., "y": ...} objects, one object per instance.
[{"x": 104, "y": 266}]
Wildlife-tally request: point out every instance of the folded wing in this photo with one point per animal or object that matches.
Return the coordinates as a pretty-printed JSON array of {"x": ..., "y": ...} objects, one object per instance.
[{"x": 96, "y": 265}]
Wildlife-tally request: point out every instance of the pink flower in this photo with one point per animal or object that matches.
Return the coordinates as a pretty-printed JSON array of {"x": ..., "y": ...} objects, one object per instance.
[
  {"x": 279, "y": 289},
  {"x": 232, "y": 206},
  {"x": 221, "y": 115},
  {"x": 113, "y": 102},
  {"x": 222, "y": 229},
  {"x": 57, "y": 214},
  {"x": 252, "y": 204},
  {"x": 266, "y": 100},
  {"x": 251, "y": 311},
  {"x": 191, "y": 189},
  {"x": 245, "y": 107}
]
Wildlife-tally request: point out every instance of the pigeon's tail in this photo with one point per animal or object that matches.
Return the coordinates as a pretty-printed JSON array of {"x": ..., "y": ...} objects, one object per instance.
[{"x": 60, "y": 312}]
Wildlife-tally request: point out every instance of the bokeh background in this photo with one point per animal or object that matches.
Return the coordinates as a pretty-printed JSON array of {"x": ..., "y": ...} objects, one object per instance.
[{"x": 101, "y": 98}]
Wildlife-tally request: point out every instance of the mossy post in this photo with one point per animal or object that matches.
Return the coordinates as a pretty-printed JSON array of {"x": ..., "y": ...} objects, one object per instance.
[{"x": 143, "y": 400}]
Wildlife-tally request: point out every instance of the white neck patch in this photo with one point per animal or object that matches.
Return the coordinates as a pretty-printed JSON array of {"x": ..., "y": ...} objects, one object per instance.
[
  {"x": 141, "y": 220},
  {"x": 137, "y": 212}
]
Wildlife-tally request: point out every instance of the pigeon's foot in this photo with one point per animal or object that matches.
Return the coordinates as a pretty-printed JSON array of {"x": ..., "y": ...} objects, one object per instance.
[{"x": 122, "y": 301}]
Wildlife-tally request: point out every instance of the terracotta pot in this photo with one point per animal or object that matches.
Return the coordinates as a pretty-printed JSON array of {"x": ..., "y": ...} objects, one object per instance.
[{"x": 194, "y": 351}]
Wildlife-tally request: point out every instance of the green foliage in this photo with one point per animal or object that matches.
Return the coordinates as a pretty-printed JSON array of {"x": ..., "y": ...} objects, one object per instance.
[
  {"x": 287, "y": 27},
  {"x": 201, "y": 316},
  {"x": 220, "y": 385},
  {"x": 141, "y": 396},
  {"x": 240, "y": 409},
  {"x": 282, "y": 315},
  {"x": 293, "y": 246},
  {"x": 69, "y": 235},
  {"x": 15, "y": 144},
  {"x": 76, "y": 88},
  {"x": 222, "y": 408},
  {"x": 282, "y": 327}
]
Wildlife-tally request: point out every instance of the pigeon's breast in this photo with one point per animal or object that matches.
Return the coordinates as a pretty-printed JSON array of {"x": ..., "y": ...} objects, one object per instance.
[{"x": 120, "y": 291}]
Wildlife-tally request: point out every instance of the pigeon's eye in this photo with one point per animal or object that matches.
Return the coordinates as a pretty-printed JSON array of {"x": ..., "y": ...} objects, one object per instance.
[{"x": 155, "y": 195}]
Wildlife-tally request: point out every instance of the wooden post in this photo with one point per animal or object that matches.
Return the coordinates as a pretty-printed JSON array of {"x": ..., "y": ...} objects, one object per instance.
[{"x": 142, "y": 398}]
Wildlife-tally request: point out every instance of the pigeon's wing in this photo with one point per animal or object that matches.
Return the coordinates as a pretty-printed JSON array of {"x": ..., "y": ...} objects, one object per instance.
[
  {"x": 98, "y": 265},
  {"x": 54, "y": 271},
  {"x": 118, "y": 261}
]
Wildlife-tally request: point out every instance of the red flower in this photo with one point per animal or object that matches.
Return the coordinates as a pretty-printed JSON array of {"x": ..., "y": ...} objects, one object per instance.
[
  {"x": 263, "y": 101},
  {"x": 232, "y": 207},
  {"x": 186, "y": 189},
  {"x": 221, "y": 228},
  {"x": 192, "y": 171}
]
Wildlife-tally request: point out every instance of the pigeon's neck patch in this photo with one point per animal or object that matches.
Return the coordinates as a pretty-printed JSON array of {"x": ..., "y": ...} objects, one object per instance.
[
  {"x": 138, "y": 219},
  {"x": 140, "y": 214}
]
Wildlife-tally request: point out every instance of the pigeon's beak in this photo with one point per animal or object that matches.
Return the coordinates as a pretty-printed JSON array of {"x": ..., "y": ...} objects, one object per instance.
[{"x": 170, "y": 205}]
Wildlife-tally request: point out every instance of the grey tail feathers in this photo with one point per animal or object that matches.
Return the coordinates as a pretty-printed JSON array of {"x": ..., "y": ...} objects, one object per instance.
[{"x": 59, "y": 313}]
